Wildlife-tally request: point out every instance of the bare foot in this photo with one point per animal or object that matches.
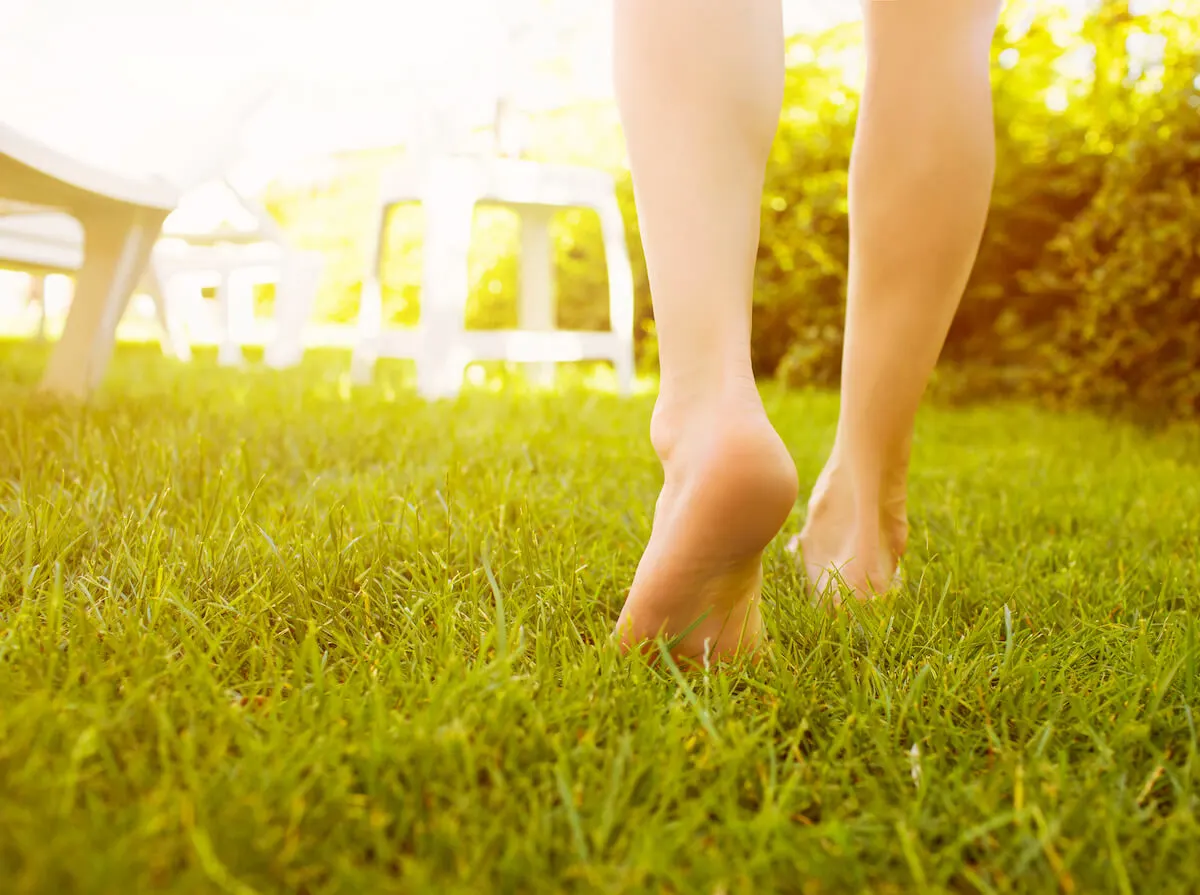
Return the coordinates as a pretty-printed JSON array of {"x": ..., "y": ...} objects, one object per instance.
[
  {"x": 846, "y": 548},
  {"x": 729, "y": 486}
]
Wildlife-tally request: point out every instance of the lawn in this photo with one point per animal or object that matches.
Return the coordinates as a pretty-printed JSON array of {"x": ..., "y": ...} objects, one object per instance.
[{"x": 261, "y": 633}]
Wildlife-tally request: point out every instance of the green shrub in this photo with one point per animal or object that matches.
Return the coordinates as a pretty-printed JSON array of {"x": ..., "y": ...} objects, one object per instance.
[
  {"x": 1123, "y": 278},
  {"x": 1085, "y": 290},
  {"x": 801, "y": 274}
]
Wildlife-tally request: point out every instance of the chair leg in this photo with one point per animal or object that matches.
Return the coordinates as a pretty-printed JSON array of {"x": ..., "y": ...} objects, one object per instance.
[
  {"x": 229, "y": 350},
  {"x": 443, "y": 356},
  {"x": 620, "y": 291},
  {"x": 295, "y": 295},
  {"x": 369, "y": 332},
  {"x": 536, "y": 310},
  {"x": 37, "y": 295},
  {"x": 174, "y": 341},
  {"x": 369, "y": 325},
  {"x": 117, "y": 247}
]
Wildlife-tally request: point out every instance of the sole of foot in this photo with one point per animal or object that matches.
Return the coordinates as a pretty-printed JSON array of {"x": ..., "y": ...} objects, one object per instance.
[
  {"x": 844, "y": 552},
  {"x": 728, "y": 488}
]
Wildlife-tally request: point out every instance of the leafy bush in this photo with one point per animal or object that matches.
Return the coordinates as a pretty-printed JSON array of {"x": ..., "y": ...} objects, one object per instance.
[
  {"x": 1085, "y": 291},
  {"x": 801, "y": 273},
  {"x": 1123, "y": 278}
]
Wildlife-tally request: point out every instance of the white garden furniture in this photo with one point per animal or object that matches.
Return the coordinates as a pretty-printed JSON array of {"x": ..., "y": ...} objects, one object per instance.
[
  {"x": 232, "y": 270},
  {"x": 121, "y": 219},
  {"x": 449, "y": 188},
  {"x": 41, "y": 243},
  {"x": 227, "y": 242},
  {"x": 120, "y": 96},
  {"x": 185, "y": 260}
]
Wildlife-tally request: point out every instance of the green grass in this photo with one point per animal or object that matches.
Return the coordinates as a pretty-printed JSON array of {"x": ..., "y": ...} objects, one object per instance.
[{"x": 259, "y": 634}]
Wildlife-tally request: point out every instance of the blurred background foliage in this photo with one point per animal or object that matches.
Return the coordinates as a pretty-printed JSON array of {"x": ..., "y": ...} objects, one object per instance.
[{"x": 1086, "y": 291}]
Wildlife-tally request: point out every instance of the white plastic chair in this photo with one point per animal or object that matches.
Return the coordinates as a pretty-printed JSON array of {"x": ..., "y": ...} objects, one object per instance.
[
  {"x": 202, "y": 248},
  {"x": 41, "y": 243},
  {"x": 448, "y": 185},
  {"x": 121, "y": 219},
  {"x": 449, "y": 188}
]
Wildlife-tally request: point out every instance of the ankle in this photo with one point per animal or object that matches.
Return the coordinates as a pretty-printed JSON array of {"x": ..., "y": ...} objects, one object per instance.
[
  {"x": 684, "y": 410},
  {"x": 866, "y": 501}
]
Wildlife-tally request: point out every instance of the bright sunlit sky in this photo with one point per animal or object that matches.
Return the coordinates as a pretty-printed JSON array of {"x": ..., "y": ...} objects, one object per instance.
[{"x": 158, "y": 86}]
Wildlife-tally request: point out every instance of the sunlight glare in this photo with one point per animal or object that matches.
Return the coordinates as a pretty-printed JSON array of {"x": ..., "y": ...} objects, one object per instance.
[{"x": 1057, "y": 99}]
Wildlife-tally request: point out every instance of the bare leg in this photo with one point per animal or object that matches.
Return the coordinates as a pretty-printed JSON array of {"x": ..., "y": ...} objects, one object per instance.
[
  {"x": 700, "y": 84},
  {"x": 920, "y": 181}
]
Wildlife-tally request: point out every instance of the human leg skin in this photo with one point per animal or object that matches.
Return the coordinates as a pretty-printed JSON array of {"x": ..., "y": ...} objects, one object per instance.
[
  {"x": 920, "y": 181},
  {"x": 699, "y": 84}
]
